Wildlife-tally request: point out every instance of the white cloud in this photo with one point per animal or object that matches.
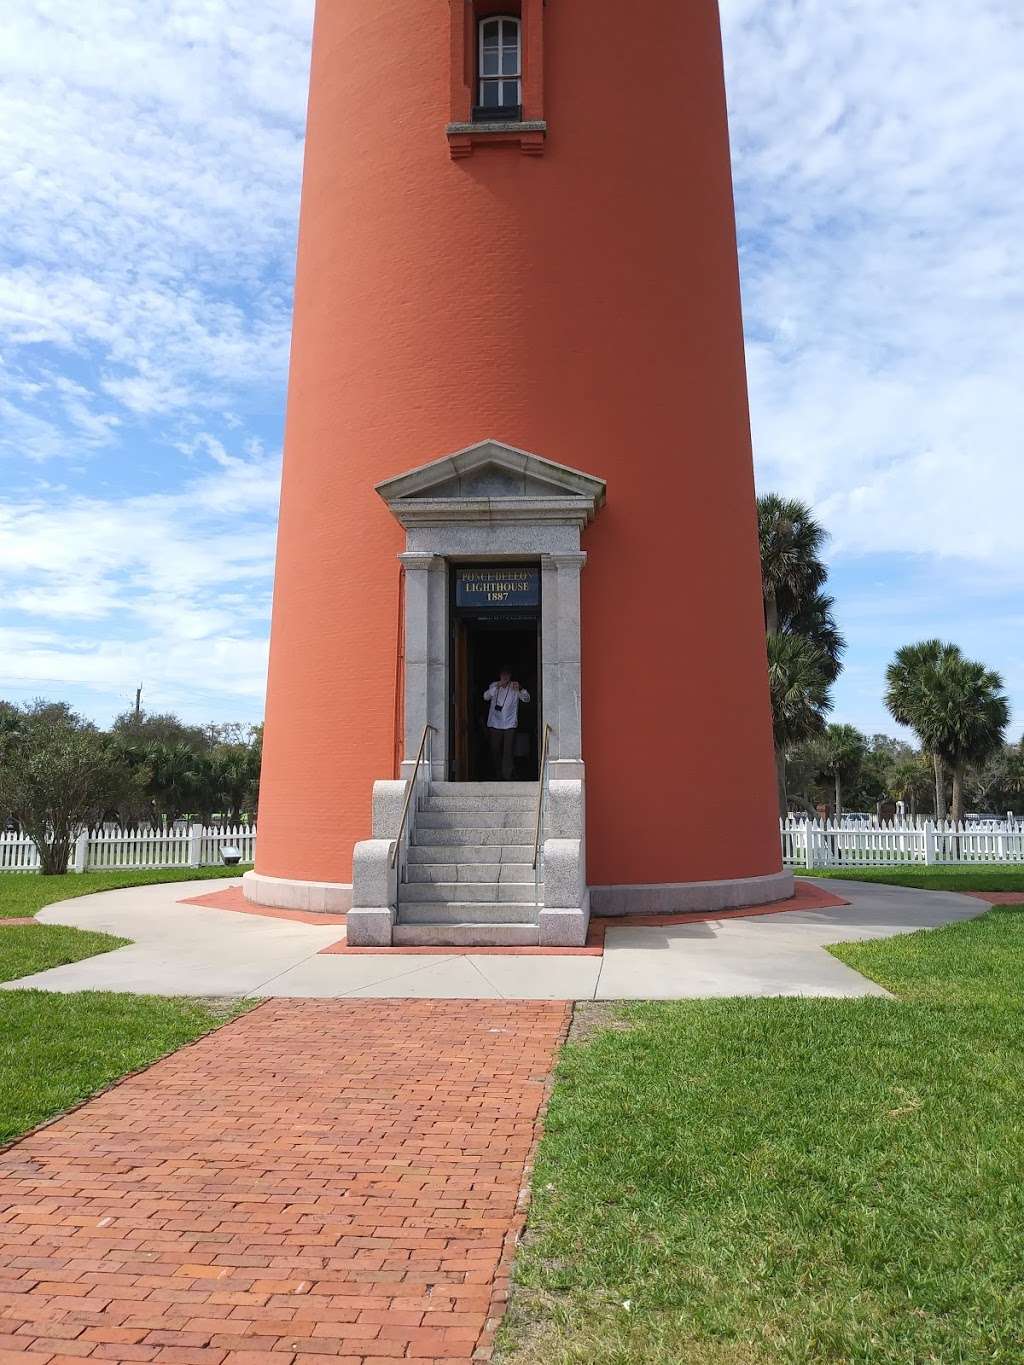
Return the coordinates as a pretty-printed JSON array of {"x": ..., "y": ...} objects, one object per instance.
[
  {"x": 880, "y": 185},
  {"x": 151, "y": 156},
  {"x": 150, "y": 159},
  {"x": 173, "y": 587}
]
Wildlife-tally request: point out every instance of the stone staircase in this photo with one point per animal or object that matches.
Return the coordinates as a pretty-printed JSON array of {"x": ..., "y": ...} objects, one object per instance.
[{"x": 469, "y": 876}]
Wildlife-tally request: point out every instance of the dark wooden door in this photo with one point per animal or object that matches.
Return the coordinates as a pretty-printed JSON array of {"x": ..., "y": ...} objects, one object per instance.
[{"x": 461, "y": 709}]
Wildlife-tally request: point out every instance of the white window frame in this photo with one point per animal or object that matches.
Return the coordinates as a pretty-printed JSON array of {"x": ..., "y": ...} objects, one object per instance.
[{"x": 502, "y": 78}]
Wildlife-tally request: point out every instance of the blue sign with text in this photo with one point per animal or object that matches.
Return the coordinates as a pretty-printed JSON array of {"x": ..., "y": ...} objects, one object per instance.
[{"x": 498, "y": 587}]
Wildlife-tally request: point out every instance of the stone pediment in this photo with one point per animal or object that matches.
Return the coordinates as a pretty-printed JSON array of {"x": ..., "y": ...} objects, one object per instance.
[{"x": 494, "y": 482}]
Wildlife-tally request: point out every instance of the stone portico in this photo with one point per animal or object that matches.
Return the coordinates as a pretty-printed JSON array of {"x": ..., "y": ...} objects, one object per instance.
[
  {"x": 506, "y": 506},
  {"x": 496, "y": 503}
]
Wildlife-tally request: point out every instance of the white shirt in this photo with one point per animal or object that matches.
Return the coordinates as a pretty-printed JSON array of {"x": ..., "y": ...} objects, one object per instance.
[{"x": 507, "y": 699}]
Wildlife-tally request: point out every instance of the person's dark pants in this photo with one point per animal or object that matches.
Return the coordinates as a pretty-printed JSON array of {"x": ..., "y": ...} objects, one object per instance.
[{"x": 502, "y": 742}]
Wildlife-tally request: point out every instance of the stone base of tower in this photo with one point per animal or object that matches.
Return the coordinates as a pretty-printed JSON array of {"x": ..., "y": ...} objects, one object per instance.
[
  {"x": 282, "y": 893},
  {"x": 682, "y": 898}
]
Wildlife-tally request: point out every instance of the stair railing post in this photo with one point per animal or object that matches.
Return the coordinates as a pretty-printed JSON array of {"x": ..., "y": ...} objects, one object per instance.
[
  {"x": 538, "y": 841},
  {"x": 398, "y": 860}
]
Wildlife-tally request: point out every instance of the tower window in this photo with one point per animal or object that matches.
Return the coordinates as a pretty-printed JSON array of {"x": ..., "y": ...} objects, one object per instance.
[{"x": 500, "y": 70}]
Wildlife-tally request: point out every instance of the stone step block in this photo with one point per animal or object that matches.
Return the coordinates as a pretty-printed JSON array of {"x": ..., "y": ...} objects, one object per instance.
[
  {"x": 482, "y": 892},
  {"x": 489, "y": 804},
  {"x": 477, "y": 818},
  {"x": 470, "y": 872},
  {"x": 496, "y": 834},
  {"x": 458, "y": 912},
  {"x": 471, "y": 853},
  {"x": 478, "y": 789},
  {"x": 467, "y": 935}
]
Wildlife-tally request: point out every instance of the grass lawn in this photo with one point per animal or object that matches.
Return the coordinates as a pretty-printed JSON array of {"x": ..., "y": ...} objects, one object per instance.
[
  {"x": 29, "y": 948},
  {"x": 56, "y": 1050},
  {"x": 802, "y": 1181},
  {"x": 965, "y": 877},
  {"x": 23, "y": 893}
]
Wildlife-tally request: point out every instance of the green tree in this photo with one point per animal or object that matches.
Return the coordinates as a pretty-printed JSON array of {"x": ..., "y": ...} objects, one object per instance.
[
  {"x": 235, "y": 776},
  {"x": 956, "y": 707},
  {"x": 793, "y": 576},
  {"x": 148, "y": 728},
  {"x": 190, "y": 769},
  {"x": 842, "y": 750},
  {"x": 792, "y": 570},
  {"x": 813, "y": 619},
  {"x": 966, "y": 711},
  {"x": 171, "y": 759},
  {"x": 799, "y": 681},
  {"x": 58, "y": 775},
  {"x": 912, "y": 781},
  {"x": 871, "y": 786},
  {"x": 907, "y": 680},
  {"x": 802, "y": 771},
  {"x": 179, "y": 781},
  {"x": 997, "y": 784}
]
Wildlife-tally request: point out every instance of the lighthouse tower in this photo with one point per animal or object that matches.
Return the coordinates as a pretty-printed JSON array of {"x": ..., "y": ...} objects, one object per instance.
[{"x": 517, "y": 447}]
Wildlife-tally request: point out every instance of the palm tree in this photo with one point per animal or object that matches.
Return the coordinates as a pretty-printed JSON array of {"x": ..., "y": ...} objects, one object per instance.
[
  {"x": 814, "y": 620},
  {"x": 179, "y": 780},
  {"x": 842, "y": 750},
  {"x": 1014, "y": 784},
  {"x": 910, "y": 781},
  {"x": 966, "y": 712},
  {"x": 235, "y": 771},
  {"x": 908, "y": 679},
  {"x": 792, "y": 570},
  {"x": 956, "y": 706},
  {"x": 798, "y": 680}
]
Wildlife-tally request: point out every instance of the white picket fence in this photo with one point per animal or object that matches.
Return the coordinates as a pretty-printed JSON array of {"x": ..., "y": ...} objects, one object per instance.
[
  {"x": 179, "y": 846},
  {"x": 899, "y": 843},
  {"x": 805, "y": 844}
]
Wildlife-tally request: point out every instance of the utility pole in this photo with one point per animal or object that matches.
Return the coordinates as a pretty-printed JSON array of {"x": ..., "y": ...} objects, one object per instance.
[{"x": 138, "y": 702}]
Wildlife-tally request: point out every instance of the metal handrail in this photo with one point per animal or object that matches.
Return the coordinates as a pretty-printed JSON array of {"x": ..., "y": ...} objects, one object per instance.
[
  {"x": 540, "y": 794},
  {"x": 428, "y": 730}
]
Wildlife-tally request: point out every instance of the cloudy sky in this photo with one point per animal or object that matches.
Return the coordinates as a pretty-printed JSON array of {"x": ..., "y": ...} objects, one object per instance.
[{"x": 149, "y": 170}]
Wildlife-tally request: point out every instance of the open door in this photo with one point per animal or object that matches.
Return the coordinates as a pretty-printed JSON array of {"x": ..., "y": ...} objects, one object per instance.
[
  {"x": 485, "y": 640},
  {"x": 460, "y": 702}
]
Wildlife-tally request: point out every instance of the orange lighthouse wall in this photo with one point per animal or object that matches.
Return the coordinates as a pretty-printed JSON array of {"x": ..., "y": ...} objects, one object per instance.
[{"x": 584, "y": 305}]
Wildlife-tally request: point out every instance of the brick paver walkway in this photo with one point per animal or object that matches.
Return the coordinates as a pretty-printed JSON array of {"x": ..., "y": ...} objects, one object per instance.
[{"x": 321, "y": 1180}]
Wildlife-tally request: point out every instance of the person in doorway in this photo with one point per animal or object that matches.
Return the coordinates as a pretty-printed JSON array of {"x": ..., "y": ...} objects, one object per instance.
[{"x": 505, "y": 696}]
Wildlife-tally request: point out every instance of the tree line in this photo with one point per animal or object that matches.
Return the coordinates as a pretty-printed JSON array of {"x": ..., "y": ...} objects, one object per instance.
[
  {"x": 957, "y": 707},
  {"x": 59, "y": 773}
]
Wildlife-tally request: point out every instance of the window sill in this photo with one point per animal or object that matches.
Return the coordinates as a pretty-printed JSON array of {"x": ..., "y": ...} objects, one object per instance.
[{"x": 464, "y": 137}]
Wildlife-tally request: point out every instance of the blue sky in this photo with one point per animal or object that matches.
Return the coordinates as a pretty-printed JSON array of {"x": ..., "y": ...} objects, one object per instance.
[{"x": 149, "y": 172}]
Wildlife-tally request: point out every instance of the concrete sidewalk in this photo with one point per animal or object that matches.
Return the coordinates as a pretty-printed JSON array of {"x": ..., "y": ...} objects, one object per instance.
[{"x": 180, "y": 949}]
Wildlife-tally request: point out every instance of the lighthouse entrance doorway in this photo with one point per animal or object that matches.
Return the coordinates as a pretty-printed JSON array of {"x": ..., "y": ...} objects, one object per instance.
[
  {"x": 482, "y": 650},
  {"x": 492, "y": 565},
  {"x": 487, "y": 638}
]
